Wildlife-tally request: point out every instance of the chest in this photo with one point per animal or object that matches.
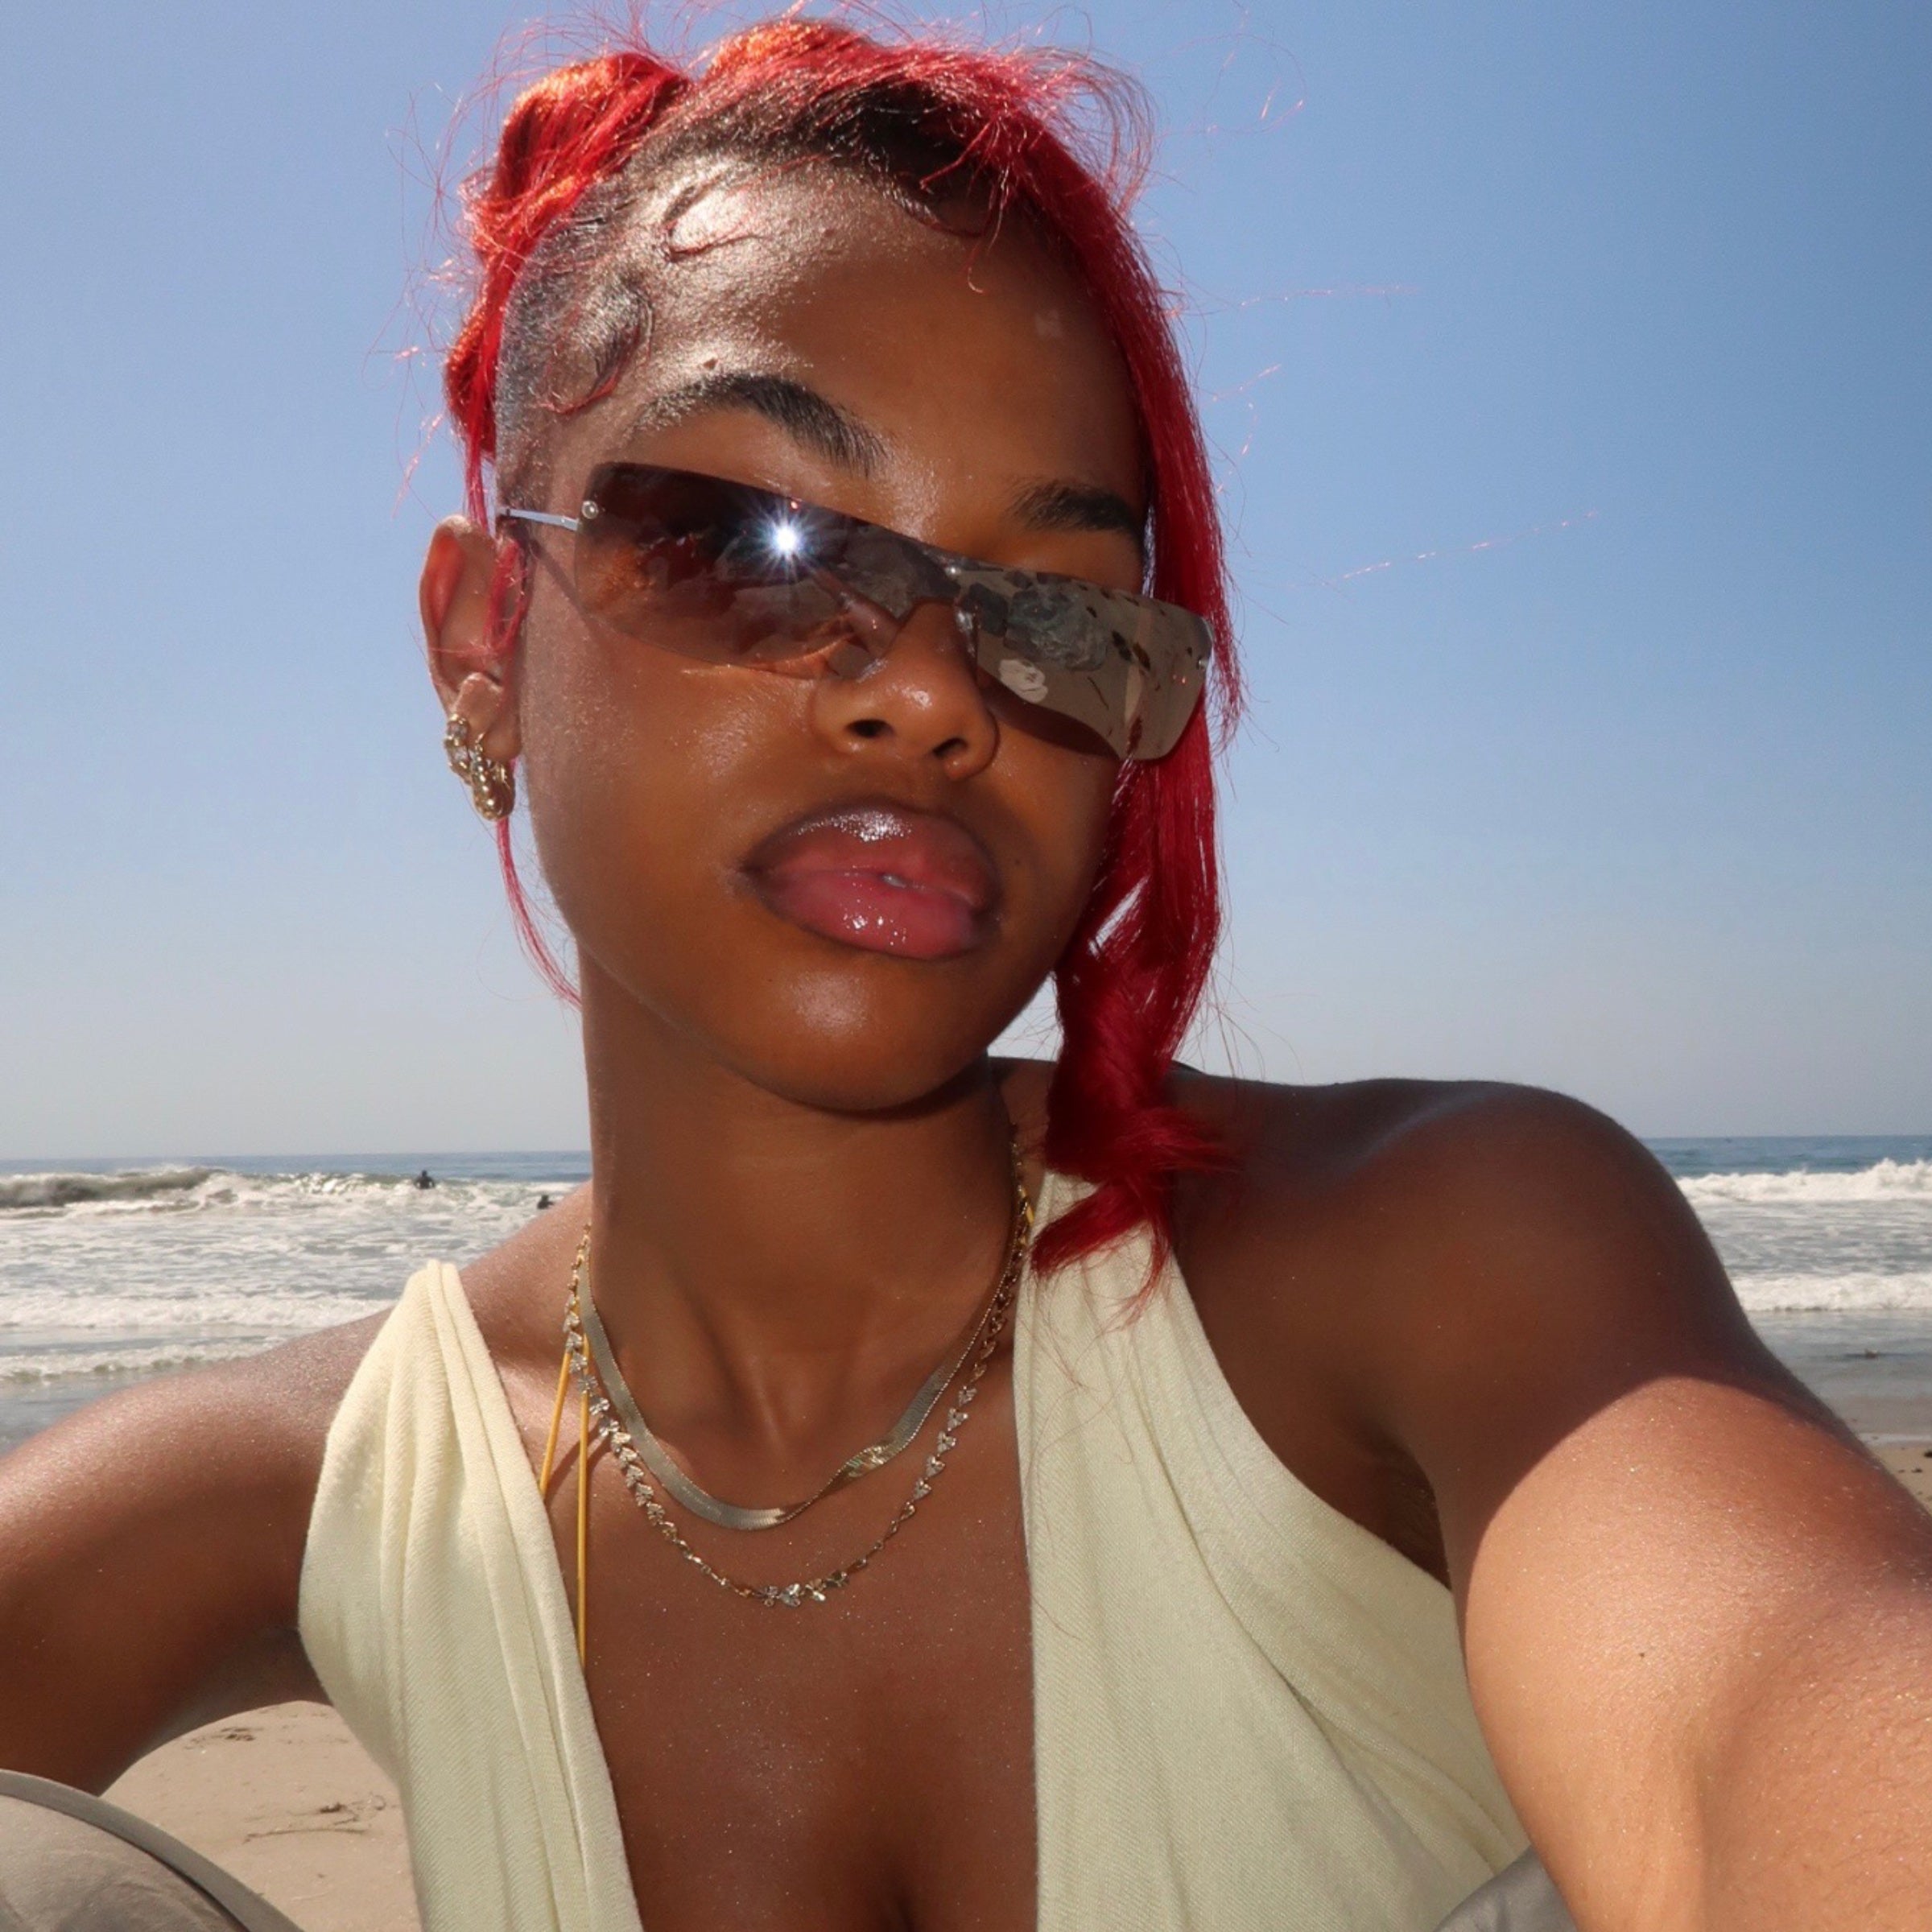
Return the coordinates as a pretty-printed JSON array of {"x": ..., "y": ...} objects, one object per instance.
[{"x": 865, "y": 1762}]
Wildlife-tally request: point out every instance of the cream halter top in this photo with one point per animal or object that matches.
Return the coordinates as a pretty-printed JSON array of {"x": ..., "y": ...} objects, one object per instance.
[{"x": 1250, "y": 1713}]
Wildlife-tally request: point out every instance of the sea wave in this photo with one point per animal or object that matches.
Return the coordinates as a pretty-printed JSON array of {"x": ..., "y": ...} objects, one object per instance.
[
  {"x": 147, "y": 1185},
  {"x": 1888, "y": 1180},
  {"x": 181, "y": 1189},
  {"x": 20, "y": 1369},
  {"x": 178, "y": 1302},
  {"x": 1853, "y": 1292}
]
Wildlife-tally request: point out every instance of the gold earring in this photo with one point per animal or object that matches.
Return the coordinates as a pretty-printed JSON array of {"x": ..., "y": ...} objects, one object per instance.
[{"x": 493, "y": 785}]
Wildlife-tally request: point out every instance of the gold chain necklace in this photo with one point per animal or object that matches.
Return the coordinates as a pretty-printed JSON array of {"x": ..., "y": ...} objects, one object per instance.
[
  {"x": 583, "y": 1334},
  {"x": 597, "y": 1416}
]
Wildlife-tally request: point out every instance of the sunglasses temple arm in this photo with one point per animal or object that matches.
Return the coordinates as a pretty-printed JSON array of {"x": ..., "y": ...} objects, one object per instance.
[{"x": 540, "y": 516}]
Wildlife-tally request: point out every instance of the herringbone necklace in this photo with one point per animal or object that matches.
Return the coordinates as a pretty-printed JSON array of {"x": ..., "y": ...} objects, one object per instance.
[{"x": 608, "y": 1411}]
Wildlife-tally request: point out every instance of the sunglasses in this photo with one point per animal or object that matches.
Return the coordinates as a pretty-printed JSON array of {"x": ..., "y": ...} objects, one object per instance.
[{"x": 727, "y": 574}]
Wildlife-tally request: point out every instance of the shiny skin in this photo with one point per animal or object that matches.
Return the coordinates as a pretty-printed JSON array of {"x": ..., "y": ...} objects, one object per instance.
[
  {"x": 650, "y": 778},
  {"x": 1477, "y": 1320}
]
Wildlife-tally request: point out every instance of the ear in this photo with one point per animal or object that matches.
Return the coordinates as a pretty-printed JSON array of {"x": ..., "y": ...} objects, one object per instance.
[{"x": 475, "y": 679}]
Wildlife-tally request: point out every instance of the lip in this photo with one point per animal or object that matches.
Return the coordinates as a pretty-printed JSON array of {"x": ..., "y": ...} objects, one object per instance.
[{"x": 879, "y": 876}]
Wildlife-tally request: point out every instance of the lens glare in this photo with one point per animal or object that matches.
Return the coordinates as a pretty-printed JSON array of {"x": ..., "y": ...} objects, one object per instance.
[{"x": 709, "y": 569}]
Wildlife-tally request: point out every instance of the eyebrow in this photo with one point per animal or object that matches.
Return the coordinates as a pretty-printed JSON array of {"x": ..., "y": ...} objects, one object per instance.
[
  {"x": 816, "y": 421},
  {"x": 835, "y": 433},
  {"x": 1061, "y": 506}
]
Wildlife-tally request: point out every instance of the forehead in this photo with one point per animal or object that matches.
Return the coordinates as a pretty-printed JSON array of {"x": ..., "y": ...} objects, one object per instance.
[{"x": 976, "y": 358}]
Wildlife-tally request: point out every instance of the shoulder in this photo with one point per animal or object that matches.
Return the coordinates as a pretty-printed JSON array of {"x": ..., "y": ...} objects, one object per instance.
[
  {"x": 255, "y": 1427},
  {"x": 1426, "y": 1186},
  {"x": 516, "y": 1293},
  {"x": 1366, "y": 1131},
  {"x": 1455, "y": 1275},
  {"x": 150, "y": 1556}
]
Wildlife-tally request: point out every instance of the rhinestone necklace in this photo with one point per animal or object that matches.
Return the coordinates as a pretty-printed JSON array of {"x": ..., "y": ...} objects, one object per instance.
[{"x": 609, "y": 1411}]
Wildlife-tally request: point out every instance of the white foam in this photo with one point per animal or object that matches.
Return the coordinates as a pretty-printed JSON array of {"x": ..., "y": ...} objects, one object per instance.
[
  {"x": 281, "y": 1307},
  {"x": 19, "y": 1368},
  {"x": 180, "y": 1190},
  {"x": 1901, "y": 1181},
  {"x": 161, "y": 1267},
  {"x": 1850, "y": 1293}
]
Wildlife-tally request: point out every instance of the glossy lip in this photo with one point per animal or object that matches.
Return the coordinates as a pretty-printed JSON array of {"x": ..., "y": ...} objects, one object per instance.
[{"x": 881, "y": 877}]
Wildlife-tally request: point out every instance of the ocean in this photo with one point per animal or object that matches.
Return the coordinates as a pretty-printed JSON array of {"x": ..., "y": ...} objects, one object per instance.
[{"x": 113, "y": 1271}]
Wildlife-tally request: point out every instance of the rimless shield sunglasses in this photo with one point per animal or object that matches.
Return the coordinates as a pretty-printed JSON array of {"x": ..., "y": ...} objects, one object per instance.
[{"x": 728, "y": 574}]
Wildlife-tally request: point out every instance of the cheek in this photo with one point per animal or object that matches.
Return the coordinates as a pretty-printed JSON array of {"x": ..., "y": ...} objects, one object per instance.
[
  {"x": 643, "y": 777},
  {"x": 1061, "y": 800},
  {"x": 1082, "y": 832}
]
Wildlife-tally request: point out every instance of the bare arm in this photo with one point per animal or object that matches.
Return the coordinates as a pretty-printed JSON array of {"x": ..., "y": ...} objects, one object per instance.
[
  {"x": 1698, "y": 1615},
  {"x": 151, "y": 1552}
]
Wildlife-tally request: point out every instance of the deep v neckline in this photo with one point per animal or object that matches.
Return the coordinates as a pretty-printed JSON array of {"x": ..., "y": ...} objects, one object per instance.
[
  {"x": 582, "y": 1743},
  {"x": 1246, "y": 1709}
]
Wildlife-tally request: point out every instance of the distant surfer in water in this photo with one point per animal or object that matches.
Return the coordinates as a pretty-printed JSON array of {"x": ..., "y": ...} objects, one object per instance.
[{"x": 425, "y": 1178}]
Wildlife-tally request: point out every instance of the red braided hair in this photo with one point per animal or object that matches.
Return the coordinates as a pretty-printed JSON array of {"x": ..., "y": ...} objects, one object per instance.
[{"x": 1008, "y": 122}]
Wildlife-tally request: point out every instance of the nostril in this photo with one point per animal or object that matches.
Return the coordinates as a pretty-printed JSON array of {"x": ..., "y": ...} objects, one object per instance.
[{"x": 867, "y": 728}]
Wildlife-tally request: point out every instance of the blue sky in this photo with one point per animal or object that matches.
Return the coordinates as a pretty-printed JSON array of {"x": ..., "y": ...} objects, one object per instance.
[{"x": 1567, "y": 366}]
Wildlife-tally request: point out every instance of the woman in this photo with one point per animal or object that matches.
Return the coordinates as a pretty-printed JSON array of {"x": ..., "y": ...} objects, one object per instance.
[{"x": 979, "y": 1494}]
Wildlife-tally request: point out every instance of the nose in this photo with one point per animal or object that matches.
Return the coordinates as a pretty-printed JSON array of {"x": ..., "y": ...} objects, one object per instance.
[{"x": 918, "y": 701}]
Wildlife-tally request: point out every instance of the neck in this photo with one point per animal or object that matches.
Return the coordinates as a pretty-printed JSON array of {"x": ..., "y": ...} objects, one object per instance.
[{"x": 774, "y": 1272}]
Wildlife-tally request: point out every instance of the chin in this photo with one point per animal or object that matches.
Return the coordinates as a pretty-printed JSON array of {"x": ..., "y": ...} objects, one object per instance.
[
  {"x": 843, "y": 1031},
  {"x": 875, "y": 1090},
  {"x": 824, "y": 1042},
  {"x": 893, "y": 1065}
]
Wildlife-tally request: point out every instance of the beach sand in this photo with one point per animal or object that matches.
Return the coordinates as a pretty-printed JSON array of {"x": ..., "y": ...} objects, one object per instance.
[
  {"x": 289, "y": 1802},
  {"x": 1912, "y": 1463}
]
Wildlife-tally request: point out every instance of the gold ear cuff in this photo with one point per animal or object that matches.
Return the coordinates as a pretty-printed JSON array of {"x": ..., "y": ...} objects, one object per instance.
[{"x": 493, "y": 785}]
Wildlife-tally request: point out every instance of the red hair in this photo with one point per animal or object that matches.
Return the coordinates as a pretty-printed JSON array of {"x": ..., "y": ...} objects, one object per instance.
[{"x": 1008, "y": 124}]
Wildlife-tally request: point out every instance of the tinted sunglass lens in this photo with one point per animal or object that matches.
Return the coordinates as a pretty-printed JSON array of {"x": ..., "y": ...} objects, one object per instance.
[
  {"x": 710, "y": 569},
  {"x": 1127, "y": 671}
]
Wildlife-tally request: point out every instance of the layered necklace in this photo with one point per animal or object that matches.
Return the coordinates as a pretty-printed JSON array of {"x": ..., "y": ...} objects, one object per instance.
[{"x": 607, "y": 1413}]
